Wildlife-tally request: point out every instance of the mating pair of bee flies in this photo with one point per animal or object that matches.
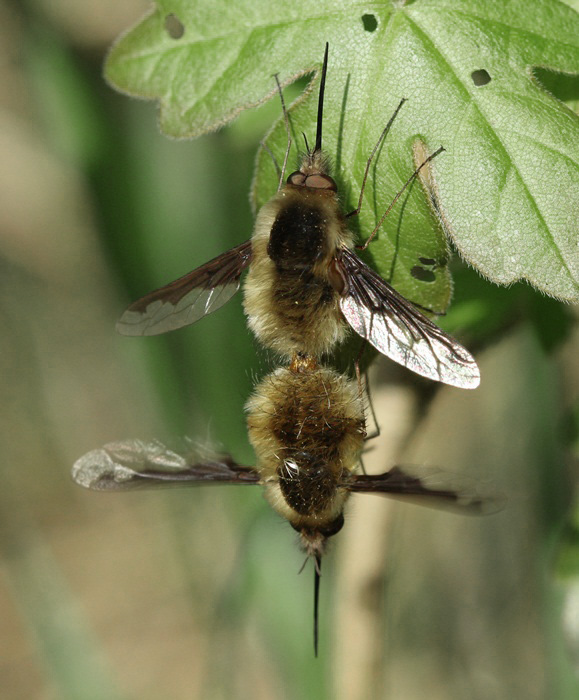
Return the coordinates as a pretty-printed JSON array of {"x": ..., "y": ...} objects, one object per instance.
[{"x": 306, "y": 422}]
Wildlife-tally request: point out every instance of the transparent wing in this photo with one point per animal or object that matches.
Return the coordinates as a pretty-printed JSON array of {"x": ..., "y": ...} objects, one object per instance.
[
  {"x": 397, "y": 329},
  {"x": 132, "y": 464},
  {"x": 189, "y": 298},
  {"x": 431, "y": 487}
]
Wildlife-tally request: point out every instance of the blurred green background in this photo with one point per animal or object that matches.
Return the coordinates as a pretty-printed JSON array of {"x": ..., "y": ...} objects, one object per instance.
[{"x": 195, "y": 593}]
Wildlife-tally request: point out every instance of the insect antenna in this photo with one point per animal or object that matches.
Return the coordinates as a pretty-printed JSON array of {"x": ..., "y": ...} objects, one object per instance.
[
  {"x": 318, "y": 146},
  {"x": 317, "y": 574}
]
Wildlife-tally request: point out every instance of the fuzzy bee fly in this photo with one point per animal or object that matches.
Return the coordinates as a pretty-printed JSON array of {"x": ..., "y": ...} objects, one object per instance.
[{"x": 306, "y": 285}]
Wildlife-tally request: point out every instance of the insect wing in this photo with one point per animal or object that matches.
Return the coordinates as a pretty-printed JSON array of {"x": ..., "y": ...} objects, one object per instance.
[
  {"x": 398, "y": 330},
  {"x": 132, "y": 464},
  {"x": 189, "y": 298},
  {"x": 432, "y": 487}
]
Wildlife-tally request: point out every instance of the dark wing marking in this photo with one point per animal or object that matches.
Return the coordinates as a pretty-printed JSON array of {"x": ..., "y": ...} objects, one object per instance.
[
  {"x": 431, "y": 487},
  {"x": 377, "y": 312},
  {"x": 189, "y": 298},
  {"x": 132, "y": 464}
]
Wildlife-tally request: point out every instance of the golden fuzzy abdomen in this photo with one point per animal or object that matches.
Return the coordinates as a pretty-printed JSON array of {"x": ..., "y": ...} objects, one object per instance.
[
  {"x": 307, "y": 429},
  {"x": 292, "y": 312}
]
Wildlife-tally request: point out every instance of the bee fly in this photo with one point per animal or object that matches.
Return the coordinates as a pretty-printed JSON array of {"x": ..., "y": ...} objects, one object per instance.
[
  {"x": 305, "y": 280},
  {"x": 306, "y": 424}
]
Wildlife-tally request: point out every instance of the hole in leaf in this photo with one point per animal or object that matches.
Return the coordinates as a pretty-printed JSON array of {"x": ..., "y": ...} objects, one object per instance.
[
  {"x": 370, "y": 23},
  {"x": 174, "y": 27},
  {"x": 419, "y": 273},
  {"x": 480, "y": 77},
  {"x": 427, "y": 261},
  {"x": 564, "y": 86}
]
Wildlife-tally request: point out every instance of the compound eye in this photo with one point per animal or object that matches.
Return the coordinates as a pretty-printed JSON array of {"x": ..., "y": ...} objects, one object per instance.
[
  {"x": 321, "y": 182},
  {"x": 297, "y": 178}
]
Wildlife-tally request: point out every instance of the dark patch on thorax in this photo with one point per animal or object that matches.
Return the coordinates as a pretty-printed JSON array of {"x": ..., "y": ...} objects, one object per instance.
[{"x": 298, "y": 237}]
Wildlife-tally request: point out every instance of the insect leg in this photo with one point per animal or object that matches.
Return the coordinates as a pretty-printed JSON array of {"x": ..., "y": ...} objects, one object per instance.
[
  {"x": 268, "y": 150},
  {"x": 369, "y": 161},
  {"x": 289, "y": 137},
  {"x": 357, "y": 368},
  {"x": 376, "y": 432},
  {"x": 397, "y": 197}
]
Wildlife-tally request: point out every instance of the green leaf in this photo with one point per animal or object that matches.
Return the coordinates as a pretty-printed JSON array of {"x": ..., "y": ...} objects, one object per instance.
[{"x": 507, "y": 187}]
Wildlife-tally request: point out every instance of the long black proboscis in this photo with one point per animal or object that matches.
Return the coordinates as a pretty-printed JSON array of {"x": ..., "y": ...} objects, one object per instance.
[
  {"x": 317, "y": 574},
  {"x": 318, "y": 146}
]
